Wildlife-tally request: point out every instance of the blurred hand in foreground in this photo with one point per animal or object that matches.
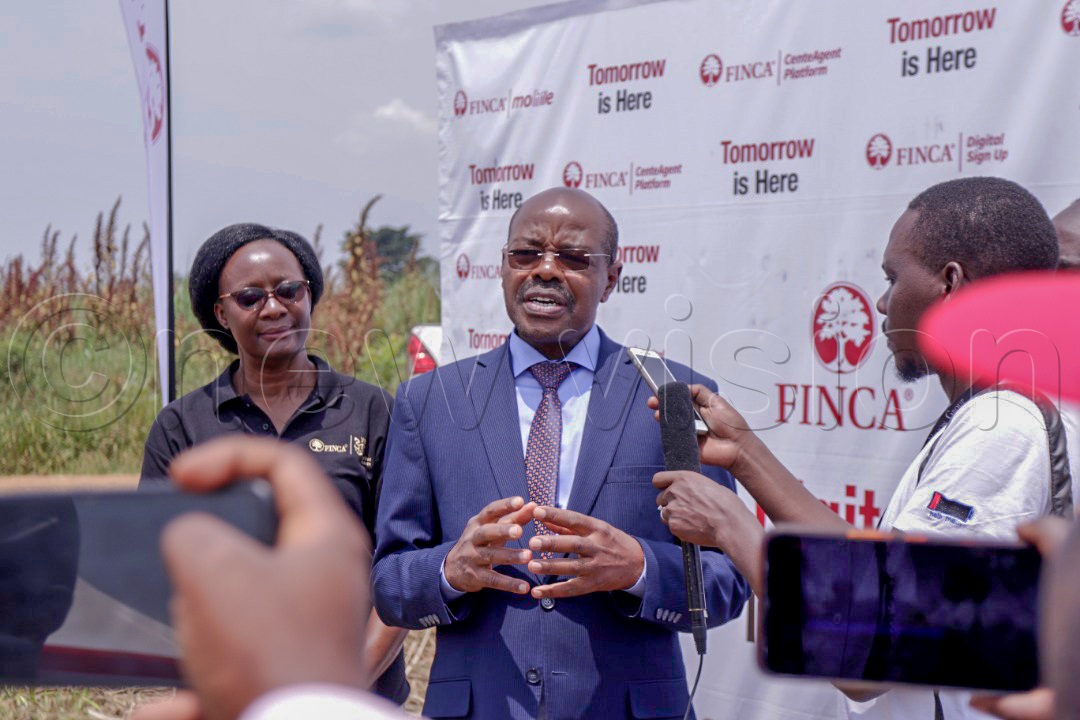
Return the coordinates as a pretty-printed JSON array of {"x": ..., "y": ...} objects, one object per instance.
[{"x": 250, "y": 619}]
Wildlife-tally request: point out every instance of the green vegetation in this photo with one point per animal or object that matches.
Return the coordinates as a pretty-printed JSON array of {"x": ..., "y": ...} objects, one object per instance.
[
  {"x": 79, "y": 385},
  {"x": 80, "y": 382}
]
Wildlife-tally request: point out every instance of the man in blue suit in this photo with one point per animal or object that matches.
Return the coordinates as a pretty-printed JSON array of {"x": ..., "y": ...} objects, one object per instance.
[{"x": 518, "y": 514}]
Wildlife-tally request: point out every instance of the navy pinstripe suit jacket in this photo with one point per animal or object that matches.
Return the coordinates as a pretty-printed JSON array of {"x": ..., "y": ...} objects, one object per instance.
[{"x": 455, "y": 446}]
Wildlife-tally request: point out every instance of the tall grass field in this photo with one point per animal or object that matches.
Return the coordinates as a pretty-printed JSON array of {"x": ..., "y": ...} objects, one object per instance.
[{"x": 80, "y": 381}]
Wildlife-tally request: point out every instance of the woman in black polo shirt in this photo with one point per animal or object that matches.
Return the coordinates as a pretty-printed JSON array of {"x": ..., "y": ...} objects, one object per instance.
[{"x": 253, "y": 288}]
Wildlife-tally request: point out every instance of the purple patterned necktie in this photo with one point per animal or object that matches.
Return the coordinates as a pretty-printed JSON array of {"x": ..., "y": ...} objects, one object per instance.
[{"x": 545, "y": 439}]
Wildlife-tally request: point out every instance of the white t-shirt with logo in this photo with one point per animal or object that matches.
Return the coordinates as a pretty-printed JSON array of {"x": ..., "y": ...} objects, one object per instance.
[{"x": 985, "y": 473}]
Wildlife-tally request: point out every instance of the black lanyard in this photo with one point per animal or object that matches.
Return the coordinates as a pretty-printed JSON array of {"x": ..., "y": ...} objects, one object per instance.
[
  {"x": 950, "y": 412},
  {"x": 941, "y": 424}
]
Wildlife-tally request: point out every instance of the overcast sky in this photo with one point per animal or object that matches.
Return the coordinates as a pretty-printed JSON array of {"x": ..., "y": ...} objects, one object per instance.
[{"x": 285, "y": 112}]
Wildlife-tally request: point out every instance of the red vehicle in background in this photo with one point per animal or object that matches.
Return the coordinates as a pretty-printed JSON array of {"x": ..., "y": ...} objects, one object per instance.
[{"x": 425, "y": 343}]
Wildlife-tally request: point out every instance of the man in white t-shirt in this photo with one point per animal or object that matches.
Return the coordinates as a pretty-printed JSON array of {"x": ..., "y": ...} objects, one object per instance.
[{"x": 985, "y": 468}]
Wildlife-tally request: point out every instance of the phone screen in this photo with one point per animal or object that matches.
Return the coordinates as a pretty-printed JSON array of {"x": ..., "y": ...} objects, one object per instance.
[
  {"x": 902, "y": 611},
  {"x": 84, "y": 588},
  {"x": 655, "y": 369}
]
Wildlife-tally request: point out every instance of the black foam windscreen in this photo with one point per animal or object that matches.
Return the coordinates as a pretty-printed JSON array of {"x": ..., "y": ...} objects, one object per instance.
[
  {"x": 677, "y": 427},
  {"x": 679, "y": 439}
]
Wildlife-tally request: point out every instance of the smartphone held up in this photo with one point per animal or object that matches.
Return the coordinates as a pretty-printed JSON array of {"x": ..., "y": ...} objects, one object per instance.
[
  {"x": 887, "y": 609},
  {"x": 650, "y": 364},
  {"x": 83, "y": 587}
]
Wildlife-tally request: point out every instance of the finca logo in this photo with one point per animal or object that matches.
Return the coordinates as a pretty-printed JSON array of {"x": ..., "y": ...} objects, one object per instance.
[
  {"x": 1070, "y": 18},
  {"x": 881, "y": 151},
  {"x": 155, "y": 95},
  {"x": 843, "y": 327},
  {"x": 468, "y": 270},
  {"x": 151, "y": 73},
  {"x": 461, "y": 103},
  {"x": 878, "y": 151},
  {"x": 711, "y": 69},
  {"x": 572, "y": 175},
  {"x": 317, "y": 445}
]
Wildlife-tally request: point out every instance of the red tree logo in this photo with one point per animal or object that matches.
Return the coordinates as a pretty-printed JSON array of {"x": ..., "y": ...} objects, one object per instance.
[
  {"x": 572, "y": 175},
  {"x": 878, "y": 151},
  {"x": 154, "y": 101},
  {"x": 463, "y": 266},
  {"x": 843, "y": 326},
  {"x": 1070, "y": 18},
  {"x": 710, "y": 70},
  {"x": 461, "y": 103}
]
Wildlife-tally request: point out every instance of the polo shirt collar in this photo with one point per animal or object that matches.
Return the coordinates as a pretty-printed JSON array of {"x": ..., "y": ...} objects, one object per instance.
[
  {"x": 523, "y": 355},
  {"x": 326, "y": 388}
]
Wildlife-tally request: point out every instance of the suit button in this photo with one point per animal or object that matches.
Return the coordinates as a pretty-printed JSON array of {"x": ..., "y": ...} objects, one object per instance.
[
  {"x": 547, "y": 603},
  {"x": 532, "y": 676}
]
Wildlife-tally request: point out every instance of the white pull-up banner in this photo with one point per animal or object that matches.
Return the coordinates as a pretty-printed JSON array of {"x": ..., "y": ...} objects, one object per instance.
[
  {"x": 145, "y": 21},
  {"x": 755, "y": 155}
]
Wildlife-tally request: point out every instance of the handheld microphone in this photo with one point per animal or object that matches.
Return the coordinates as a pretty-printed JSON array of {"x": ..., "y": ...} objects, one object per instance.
[{"x": 679, "y": 439}]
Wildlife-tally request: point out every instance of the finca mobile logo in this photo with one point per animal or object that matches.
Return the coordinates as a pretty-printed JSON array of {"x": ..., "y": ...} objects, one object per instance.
[
  {"x": 502, "y": 104},
  {"x": 711, "y": 69},
  {"x": 1070, "y": 18},
  {"x": 879, "y": 151},
  {"x": 572, "y": 175},
  {"x": 843, "y": 327},
  {"x": 463, "y": 265}
]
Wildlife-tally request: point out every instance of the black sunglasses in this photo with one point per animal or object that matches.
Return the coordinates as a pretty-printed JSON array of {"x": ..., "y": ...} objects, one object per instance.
[
  {"x": 253, "y": 298},
  {"x": 571, "y": 260}
]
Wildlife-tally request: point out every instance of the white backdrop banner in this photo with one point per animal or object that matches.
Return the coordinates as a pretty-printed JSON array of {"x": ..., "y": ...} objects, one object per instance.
[
  {"x": 755, "y": 155},
  {"x": 145, "y": 23}
]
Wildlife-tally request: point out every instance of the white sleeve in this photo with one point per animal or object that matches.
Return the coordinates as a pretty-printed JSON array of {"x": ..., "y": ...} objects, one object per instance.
[
  {"x": 988, "y": 472},
  {"x": 325, "y": 702}
]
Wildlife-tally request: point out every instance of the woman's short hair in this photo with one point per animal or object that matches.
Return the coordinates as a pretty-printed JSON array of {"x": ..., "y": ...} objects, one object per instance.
[{"x": 216, "y": 251}]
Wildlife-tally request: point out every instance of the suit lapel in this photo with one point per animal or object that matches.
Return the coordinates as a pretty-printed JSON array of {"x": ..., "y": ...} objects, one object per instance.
[
  {"x": 495, "y": 403},
  {"x": 613, "y": 390}
]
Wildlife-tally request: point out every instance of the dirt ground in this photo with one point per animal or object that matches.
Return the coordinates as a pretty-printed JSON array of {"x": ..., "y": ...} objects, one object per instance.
[{"x": 66, "y": 483}]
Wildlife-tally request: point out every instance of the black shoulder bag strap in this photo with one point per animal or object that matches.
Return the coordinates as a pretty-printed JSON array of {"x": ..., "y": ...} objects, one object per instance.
[{"x": 1061, "y": 499}]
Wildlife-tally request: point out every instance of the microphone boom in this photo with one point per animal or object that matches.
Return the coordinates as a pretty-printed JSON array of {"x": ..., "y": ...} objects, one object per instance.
[{"x": 679, "y": 439}]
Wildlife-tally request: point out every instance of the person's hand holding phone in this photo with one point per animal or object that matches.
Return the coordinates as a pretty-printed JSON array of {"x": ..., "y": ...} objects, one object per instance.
[
  {"x": 1047, "y": 535},
  {"x": 250, "y": 619}
]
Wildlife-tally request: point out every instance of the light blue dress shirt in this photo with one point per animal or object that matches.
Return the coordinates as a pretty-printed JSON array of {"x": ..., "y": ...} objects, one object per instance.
[{"x": 574, "y": 393}]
